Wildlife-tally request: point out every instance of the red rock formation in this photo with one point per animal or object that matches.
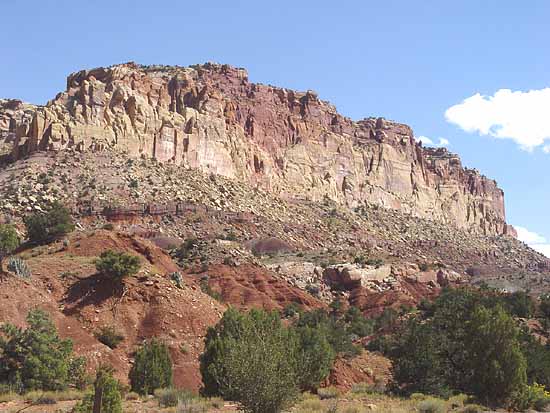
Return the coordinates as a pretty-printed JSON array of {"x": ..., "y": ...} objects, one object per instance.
[{"x": 211, "y": 117}]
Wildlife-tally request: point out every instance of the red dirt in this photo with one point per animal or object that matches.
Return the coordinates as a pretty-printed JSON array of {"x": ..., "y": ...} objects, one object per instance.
[
  {"x": 65, "y": 284},
  {"x": 248, "y": 286},
  {"x": 368, "y": 368}
]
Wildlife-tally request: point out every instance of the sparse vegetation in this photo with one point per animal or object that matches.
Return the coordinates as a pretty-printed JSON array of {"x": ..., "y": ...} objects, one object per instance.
[
  {"x": 43, "y": 227},
  {"x": 171, "y": 397},
  {"x": 117, "y": 265},
  {"x": 19, "y": 267},
  {"x": 109, "y": 336},
  {"x": 9, "y": 241}
]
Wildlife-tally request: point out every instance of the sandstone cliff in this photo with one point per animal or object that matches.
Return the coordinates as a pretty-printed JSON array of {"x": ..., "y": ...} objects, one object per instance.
[{"x": 291, "y": 143}]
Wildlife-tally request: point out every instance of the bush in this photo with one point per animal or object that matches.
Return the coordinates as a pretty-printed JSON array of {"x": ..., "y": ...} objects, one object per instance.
[
  {"x": 494, "y": 355},
  {"x": 191, "y": 406},
  {"x": 328, "y": 393},
  {"x": 9, "y": 241},
  {"x": 77, "y": 373},
  {"x": 117, "y": 264},
  {"x": 45, "y": 227},
  {"x": 519, "y": 304},
  {"x": 335, "y": 330},
  {"x": 528, "y": 397},
  {"x": 315, "y": 357},
  {"x": 250, "y": 358},
  {"x": 19, "y": 267},
  {"x": 172, "y": 397},
  {"x": 152, "y": 368},
  {"x": 107, "y": 393},
  {"x": 109, "y": 336},
  {"x": 34, "y": 358},
  {"x": 432, "y": 405},
  {"x": 467, "y": 344}
]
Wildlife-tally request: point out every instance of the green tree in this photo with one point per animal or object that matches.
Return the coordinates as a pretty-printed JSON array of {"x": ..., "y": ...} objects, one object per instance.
[
  {"x": 45, "y": 227},
  {"x": 106, "y": 397},
  {"x": 519, "y": 304},
  {"x": 537, "y": 355},
  {"x": 466, "y": 343},
  {"x": 315, "y": 357},
  {"x": 418, "y": 366},
  {"x": 335, "y": 330},
  {"x": 544, "y": 305},
  {"x": 495, "y": 358},
  {"x": 117, "y": 264},
  {"x": 9, "y": 241},
  {"x": 34, "y": 358},
  {"x": 152, "y": 368},
  {"x": 251, "y": 358}
]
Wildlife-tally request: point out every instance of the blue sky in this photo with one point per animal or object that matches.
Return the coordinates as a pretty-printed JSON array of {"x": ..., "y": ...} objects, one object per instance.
[{"x": 404, "y": 60}]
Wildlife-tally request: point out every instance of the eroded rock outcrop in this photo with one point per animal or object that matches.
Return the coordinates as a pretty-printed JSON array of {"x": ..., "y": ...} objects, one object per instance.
[{"x": 212, "y": 118}]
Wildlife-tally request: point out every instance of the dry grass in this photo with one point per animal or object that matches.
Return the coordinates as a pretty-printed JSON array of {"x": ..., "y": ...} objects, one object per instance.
[
  {"x": 8, "y": 397},
  {"x": 37, "y": 396}
]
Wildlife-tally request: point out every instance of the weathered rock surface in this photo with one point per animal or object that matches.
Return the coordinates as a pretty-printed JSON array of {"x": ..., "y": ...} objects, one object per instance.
[{"x": 212, "y": 118}]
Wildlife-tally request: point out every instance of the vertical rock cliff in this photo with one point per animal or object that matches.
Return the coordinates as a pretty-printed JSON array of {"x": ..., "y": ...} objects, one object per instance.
[{"x": 212, "y": 118}]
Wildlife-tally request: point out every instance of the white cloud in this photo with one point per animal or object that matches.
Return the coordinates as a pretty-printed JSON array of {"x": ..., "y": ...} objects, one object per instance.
[
  {"x": 534, "y": 240},
  {"x": 546, "y": 149},
  {"x": 520, "y": 116},
  {"x": 542, "y": 248},
  {"x": 529, "y": 237},
  {"x": 429, "y": 142}
]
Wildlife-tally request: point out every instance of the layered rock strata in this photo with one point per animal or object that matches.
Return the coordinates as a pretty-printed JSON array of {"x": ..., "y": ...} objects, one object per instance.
[{"x": 211, "y": 117}]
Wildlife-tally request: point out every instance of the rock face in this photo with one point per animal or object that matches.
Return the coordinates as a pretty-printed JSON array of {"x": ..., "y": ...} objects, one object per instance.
[{"x": 212, "y": 118}]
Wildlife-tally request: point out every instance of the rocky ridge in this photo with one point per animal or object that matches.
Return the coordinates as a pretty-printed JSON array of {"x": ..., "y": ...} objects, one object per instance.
[{"x": 212, "y": 118}]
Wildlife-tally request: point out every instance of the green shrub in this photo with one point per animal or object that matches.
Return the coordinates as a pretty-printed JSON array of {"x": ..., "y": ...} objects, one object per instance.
[
  {"x": 494, "y": 355},
  {"x": 19, "y": 267},
  {"x": 291, "y": 309},
  {"x": 171, "y": 397},
  {"x": 519, "y": 304},
  {"x": 328, "y": 393},
  {"x": 335, "y": 330},
  {"x": 529, "y": 397},
  {"x": 466, "y": 342},
  {"x": 109, "y": 336},
  {"x": 192, "y": 406},
  {"x": 205, "y": 288},
  {"x": 315, "y": 357},
  {"x": 77, "y": 372},
  {"x": 432, "y": 405},
  {"x": 9, "y": 241},
  {"x": 152, "y": 368},
  {"x": 45, "y": 227},
  {"x": 107, "y": 392},
  {"x": 250, "y": 358},
  {"x": 117, "y": 264},
  {"x": 34, "y": 358}
]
